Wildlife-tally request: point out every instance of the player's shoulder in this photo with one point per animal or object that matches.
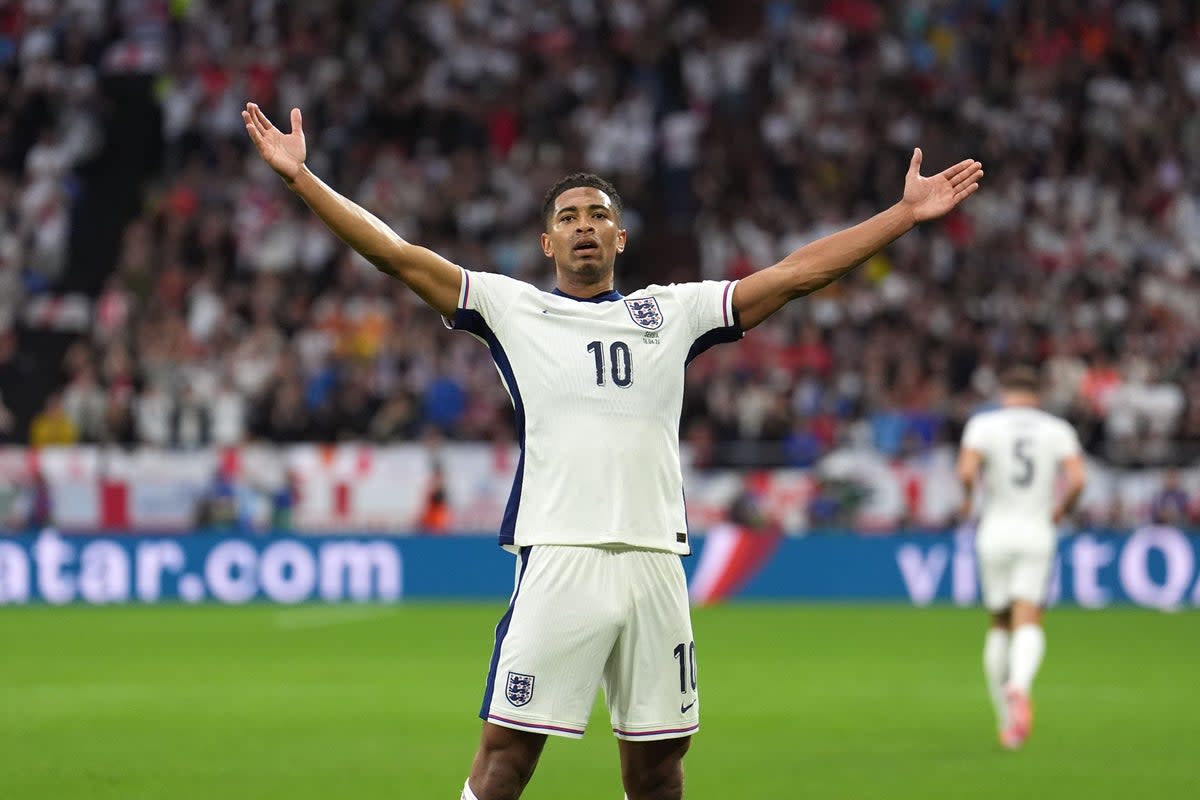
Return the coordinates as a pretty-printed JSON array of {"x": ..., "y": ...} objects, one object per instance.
[
  {"x": 684, "y": 287},
  {"x": 498, "y": 280},
  {"x": 1025, "y": 419},
  {"x": 983, "y": 427},
  {"x": 1021, "y": 416},
  {"x": 1050, "y": 420},
  {"x": 496, "y": 293},
  {"x": 657, "y": 290},
  {"x": 986, "y": 417},
  {"x": 1064, "y": 428}
]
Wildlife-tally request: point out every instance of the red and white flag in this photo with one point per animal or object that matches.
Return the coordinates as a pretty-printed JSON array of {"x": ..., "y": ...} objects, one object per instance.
[{"x": 731, "y": 556}]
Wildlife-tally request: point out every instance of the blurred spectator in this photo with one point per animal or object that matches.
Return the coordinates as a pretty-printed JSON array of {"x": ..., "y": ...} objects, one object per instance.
[
  {"x": 40, "y": 504},
  {"x": 435, "y": 515},
  {"x": 396, "y": 420},
  {"x": 8, "y": 424},
  {"x": 84, "y": 402},
  {"x": 1171, "y": 504},
  {"x": 190, "y": 424},
  {"x": 53, "y": 425},
  {"x": 152, "y": 416},
  {"x": 227, "y": 415},
  {"x": 283, "y": 503},
  {"x": 218, "y": 509},
  {"x": 747, "y": 507}
]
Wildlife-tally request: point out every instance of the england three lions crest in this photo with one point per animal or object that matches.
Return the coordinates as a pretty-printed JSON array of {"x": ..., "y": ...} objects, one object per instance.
[
  {"x": 645, "y": 312},
  {"x": 520, "y": 688}
]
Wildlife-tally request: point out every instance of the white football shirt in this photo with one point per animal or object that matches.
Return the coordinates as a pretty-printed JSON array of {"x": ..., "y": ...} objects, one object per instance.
[
  {"x": 1022, "y": 449},
  {"x": 597, "y": 390}
]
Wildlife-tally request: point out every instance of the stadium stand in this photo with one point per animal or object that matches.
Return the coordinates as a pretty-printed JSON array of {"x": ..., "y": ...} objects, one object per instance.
[{"x": 158, "y": 285}]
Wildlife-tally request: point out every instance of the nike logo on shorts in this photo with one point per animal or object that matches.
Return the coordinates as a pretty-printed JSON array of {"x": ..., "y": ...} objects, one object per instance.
[{"x": 684, "y": 709}]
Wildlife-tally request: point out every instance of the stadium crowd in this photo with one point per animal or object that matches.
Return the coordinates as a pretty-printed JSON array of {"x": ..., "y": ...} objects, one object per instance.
[{"x": 735, "y": 131}]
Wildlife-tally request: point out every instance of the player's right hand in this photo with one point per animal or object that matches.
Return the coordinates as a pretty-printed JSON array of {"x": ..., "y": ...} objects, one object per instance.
[
  {"x": 963, "y": 514},
  {"x": 285, "y": 152}
]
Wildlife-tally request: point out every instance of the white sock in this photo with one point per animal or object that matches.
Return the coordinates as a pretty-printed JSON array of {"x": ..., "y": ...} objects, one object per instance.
[
  {"x": 1025, "y": 656},
  {"x": 995, "y": 668},
  {"x": 467, "y": 793}
]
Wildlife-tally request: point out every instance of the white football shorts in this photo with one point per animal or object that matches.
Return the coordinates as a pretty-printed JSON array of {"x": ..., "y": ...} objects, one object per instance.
[
  {"x": 1006, "y": 575},
  {"x": 582, "y": 617}
]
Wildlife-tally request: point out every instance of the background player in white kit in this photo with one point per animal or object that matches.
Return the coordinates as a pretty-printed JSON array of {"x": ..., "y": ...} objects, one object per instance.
[
  {"x": 596, "y": 513},
  {"x": 1021, "y": 451}
]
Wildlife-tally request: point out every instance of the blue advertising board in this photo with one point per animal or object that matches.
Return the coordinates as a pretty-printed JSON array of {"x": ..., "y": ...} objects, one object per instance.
[{"x": 1152, "y": 566}]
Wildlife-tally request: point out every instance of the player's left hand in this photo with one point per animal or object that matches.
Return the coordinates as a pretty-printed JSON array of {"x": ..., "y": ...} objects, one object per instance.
[
  {"x": 285, "y": 152},
  {"x": 932, "y": 197}
]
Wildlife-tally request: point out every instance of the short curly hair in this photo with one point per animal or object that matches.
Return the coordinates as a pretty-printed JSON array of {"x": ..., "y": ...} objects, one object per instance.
[{"x": 574, "y": 181}]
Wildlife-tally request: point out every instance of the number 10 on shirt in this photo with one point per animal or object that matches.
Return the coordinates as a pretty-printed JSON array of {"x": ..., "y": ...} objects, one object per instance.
[{"x": 620, "y": 359}]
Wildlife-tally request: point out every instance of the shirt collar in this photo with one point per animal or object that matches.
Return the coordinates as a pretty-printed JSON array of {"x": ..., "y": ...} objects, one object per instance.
[{"x": 603, "y": 297}]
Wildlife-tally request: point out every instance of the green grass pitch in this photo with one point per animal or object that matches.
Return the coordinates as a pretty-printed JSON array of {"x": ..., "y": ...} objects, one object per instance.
[{"x": 379, "y": 702}]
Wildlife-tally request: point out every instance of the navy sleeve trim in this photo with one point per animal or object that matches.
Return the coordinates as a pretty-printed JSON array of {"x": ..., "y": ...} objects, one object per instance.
[
  {"x": 473, "y": 323},
  {"x": 712, "y": 338}
]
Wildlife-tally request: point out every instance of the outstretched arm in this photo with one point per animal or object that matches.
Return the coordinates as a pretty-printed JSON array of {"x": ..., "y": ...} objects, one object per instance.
[
  {"x": 969, "y": 461},
  {"x": 821, "y": 262},
  {"x": 1076, "y": 472},
  {"x": 432, "y": 277}
]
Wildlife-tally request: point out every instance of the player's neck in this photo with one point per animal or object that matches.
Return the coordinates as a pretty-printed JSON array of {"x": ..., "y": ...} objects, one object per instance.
[
  {"x": 1020, "y": 400},
  {"x": 584, "y": 291}
]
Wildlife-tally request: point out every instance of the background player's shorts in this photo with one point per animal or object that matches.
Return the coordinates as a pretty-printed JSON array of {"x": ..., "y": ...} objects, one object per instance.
[
  {"x": 585, "y": 617},
  {"x": 1008, "y": 575}
]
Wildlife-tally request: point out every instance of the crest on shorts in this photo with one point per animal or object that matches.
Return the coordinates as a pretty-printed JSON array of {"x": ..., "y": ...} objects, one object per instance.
[
  {"x": 520, "y": 688},
  {"x": 645, "y": 312}
]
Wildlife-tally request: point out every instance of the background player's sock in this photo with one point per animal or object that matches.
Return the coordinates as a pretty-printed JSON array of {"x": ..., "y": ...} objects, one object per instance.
[
  {"x": 467, "y": 794},
  {"x": 995, "y": 668},
  {"x": 1025, "y": 656}
]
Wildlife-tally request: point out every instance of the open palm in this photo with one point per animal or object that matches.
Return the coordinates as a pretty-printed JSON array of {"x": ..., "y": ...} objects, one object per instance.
[
  {"x": 931, "y": 197},
  {"x": 285, "y": 152}
]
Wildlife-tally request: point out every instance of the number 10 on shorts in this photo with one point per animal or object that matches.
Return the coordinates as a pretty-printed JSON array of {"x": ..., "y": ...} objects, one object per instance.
[{"x": 685, "y": 654}]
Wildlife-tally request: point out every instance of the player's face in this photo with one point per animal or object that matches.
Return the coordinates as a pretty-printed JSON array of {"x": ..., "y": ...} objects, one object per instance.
[{"x": 584, "y": 235}]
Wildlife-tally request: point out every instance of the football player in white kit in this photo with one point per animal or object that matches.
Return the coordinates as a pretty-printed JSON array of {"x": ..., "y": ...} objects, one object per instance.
[
  {"x": 1020, "y": 451},
  {"x": 596, "y": 514}
]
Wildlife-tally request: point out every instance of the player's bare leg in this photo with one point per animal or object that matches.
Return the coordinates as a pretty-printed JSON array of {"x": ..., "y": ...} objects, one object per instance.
[
  {"x": 1025, "y": 657},
  {"x": 653, "y": 770},
  {"x": 995, "y": 664},
  {"x": 503, "y": 764}
]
